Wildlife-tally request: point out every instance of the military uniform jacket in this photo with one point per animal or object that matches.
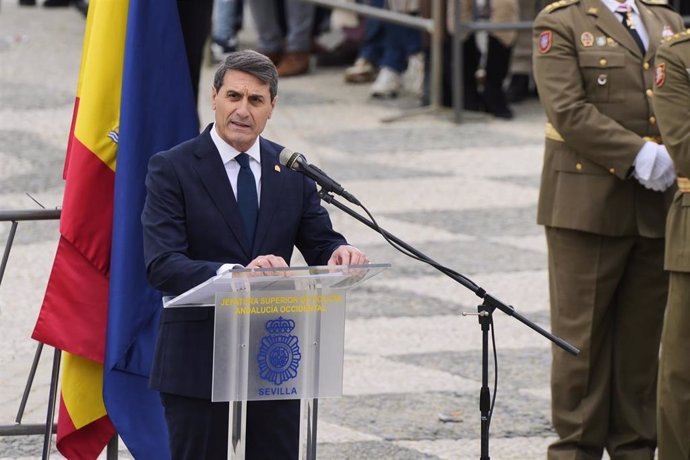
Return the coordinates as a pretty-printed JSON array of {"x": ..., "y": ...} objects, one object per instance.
[
  {"x": 596, "y": 87},
  {"x": 672, "y": 104}
]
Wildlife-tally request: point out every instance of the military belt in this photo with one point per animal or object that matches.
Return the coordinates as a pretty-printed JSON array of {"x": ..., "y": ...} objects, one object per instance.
[
  {"x": 551, "y": 133},
  {"x": 656, "y": 139}
]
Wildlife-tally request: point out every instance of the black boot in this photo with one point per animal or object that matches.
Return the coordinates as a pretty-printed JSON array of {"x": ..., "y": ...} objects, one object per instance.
[
  {"x": 471, "y": 57},
  {"x": 56, "y": 3},
  {"x": 471, "y": 99},
  {"x": 497, "y": 63},
  {"x": 518, "y": 88}
]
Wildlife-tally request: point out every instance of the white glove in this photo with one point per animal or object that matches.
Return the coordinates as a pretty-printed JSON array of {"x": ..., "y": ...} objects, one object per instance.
[
  {"x": 654, "y": 167},
  {"x": 644, "y": 161}
]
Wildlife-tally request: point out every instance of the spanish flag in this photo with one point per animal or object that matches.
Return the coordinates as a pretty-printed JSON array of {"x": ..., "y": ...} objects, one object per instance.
[{"x": 133, "y": 64}]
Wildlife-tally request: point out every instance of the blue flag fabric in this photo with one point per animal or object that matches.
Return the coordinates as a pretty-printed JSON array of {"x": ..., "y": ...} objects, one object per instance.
[{"x": 157, "y": 112}]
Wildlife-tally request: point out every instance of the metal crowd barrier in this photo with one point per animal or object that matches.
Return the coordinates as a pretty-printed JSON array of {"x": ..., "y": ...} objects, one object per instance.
[
  {"x": 49, "y": 427},
  {"x": 20, "y": 429}
]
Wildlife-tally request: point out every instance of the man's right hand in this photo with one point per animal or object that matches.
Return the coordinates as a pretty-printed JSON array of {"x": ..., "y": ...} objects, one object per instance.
[{"x": 267, "y": 261}]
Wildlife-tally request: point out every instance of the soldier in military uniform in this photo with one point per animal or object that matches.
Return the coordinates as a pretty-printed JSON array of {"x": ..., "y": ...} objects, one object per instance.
[
  {"x": 606, "y": 184},
  {"x": 672, "y": 105}
]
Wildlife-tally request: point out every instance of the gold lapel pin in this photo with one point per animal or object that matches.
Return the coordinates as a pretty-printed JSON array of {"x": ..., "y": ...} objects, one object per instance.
[{"x": 276, "y": 168}]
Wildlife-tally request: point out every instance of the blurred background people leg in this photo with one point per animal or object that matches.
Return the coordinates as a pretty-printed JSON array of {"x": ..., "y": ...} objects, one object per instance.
[
  {"x": 385, "y": 51},
  {"x": 226, "y": 22},
  {"x": 484, "y": 74},
  {"x": 365, "y": 68},
  {"x": 195, "y": 19},
  {"x": 288, "y": 47},
  {"x": 498, "y": 53},
  {"x": 521, "y": 84},
  {"x": 399, "y": 45}
]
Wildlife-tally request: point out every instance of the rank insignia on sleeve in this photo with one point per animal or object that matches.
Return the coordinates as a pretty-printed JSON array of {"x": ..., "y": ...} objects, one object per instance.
[
  {"x": 660, "y": 75},
  {"x": 545, "y": 41}
]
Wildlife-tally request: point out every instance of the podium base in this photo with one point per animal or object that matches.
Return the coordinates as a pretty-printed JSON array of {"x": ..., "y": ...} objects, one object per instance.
[{"x": 237, "y": 429}]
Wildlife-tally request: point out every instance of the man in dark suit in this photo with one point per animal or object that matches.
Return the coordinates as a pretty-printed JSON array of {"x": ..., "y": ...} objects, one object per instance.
[{"x": 196, "y": 226}]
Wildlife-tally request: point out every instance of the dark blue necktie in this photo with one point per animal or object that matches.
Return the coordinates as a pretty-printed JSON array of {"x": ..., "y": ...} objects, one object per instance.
[
  {"x": 247, "y": 198},
  {"x": 626, "y": 19}
]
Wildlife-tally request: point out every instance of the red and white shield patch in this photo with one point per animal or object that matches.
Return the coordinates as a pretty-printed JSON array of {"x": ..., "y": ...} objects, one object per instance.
[
  {"x": 545, "y": 41},
  {"x": 660, "y": 76}
]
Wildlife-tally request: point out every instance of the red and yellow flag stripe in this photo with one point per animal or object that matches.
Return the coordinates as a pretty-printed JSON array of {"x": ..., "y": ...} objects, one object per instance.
[{"x": 73, "y": 316}]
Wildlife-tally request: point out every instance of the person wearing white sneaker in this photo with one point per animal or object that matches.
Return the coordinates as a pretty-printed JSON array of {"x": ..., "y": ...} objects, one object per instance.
[
  {"x": 226, "y": 21},
  {"x": 387, "y": 85},
  {"x": 362, "y": 71},
  {"x": 387, "y": 46}
]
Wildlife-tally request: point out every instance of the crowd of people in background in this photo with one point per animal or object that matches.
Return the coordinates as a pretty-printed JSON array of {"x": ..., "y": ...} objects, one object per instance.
[
  {"x": 497, "y": 65},
  {"x": 298, "y": 36}
]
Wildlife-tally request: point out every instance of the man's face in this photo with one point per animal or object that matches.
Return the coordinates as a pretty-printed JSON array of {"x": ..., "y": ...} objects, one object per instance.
[{"x": 243, "y": 106}]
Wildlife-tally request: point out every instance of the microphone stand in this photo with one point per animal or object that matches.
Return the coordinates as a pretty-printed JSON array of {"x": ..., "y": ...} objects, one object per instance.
[{"x": 484, "y": 313}]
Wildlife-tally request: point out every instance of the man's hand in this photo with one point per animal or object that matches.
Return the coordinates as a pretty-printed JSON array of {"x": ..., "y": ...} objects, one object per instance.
[
  {"x": 348, "y": 255},
  {"x": 267, "y": 261},
  {"x": 658, "y": 173}
]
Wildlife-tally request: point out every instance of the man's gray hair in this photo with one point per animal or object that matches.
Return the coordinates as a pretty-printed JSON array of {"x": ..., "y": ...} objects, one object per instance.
[{"x": 253, "y": 63}]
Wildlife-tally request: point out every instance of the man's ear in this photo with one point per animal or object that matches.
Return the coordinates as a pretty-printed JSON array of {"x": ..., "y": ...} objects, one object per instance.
[{"x": 273, "y": 105}]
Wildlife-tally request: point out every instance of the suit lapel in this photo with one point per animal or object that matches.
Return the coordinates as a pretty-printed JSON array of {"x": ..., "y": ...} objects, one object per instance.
[
  {"x": 654, "y": 29},
  {"x": 272, "y": 179},
  {"x": 609, "y": 23},
  {"x": 212, "y": 173}
]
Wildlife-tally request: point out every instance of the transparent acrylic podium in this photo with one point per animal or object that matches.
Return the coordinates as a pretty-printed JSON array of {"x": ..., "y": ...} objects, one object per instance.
[{"x": 279, "y": 334}]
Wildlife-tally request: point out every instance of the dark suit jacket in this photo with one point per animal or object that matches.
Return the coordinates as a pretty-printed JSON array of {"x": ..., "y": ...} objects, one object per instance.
[{"x": 192, "y": 226}]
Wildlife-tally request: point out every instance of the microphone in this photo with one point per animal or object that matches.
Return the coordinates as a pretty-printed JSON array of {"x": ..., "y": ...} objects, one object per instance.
[{"x": 297, "y": 162}]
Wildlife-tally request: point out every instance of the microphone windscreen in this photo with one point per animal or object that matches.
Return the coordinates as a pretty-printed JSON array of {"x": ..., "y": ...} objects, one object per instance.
[{"x": 284, "y": 157}]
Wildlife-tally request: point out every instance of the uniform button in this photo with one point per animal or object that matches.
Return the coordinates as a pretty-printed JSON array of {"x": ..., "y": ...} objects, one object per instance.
[
  {"x": 578, "y": 166},
  {"x": 645, "y": 66},
  {"x": 603, "y": 62},
  {"x": 649, "y": 93},
  {"x": 652, "y": 120},
  {"x": 612, "y": 170}
]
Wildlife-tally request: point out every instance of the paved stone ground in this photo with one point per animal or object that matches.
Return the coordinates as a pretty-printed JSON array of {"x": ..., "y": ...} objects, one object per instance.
[{"x": 463, "y": 194}]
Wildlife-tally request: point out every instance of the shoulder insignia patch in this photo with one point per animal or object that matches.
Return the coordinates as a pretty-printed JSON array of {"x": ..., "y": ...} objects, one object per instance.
[
  {"x": 545, "y": 41},
  {"x": 677, "y": 38},
  {"x": 660, "y": 75},
  {"x": 559, "y": 4},
  {"x": 662, "y": 3}
]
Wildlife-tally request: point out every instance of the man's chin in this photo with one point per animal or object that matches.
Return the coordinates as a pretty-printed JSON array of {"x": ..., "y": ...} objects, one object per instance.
[{"x": 242, "y": 143}]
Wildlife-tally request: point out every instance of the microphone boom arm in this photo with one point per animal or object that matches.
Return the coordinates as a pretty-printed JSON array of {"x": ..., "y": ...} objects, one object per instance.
[{"x": 489, "y": 300}]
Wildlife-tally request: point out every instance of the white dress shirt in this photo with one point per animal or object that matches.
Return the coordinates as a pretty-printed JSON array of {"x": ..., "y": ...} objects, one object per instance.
[
  {"x": 232, "y": 167},
  {"x": 636, "y": 18}
]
